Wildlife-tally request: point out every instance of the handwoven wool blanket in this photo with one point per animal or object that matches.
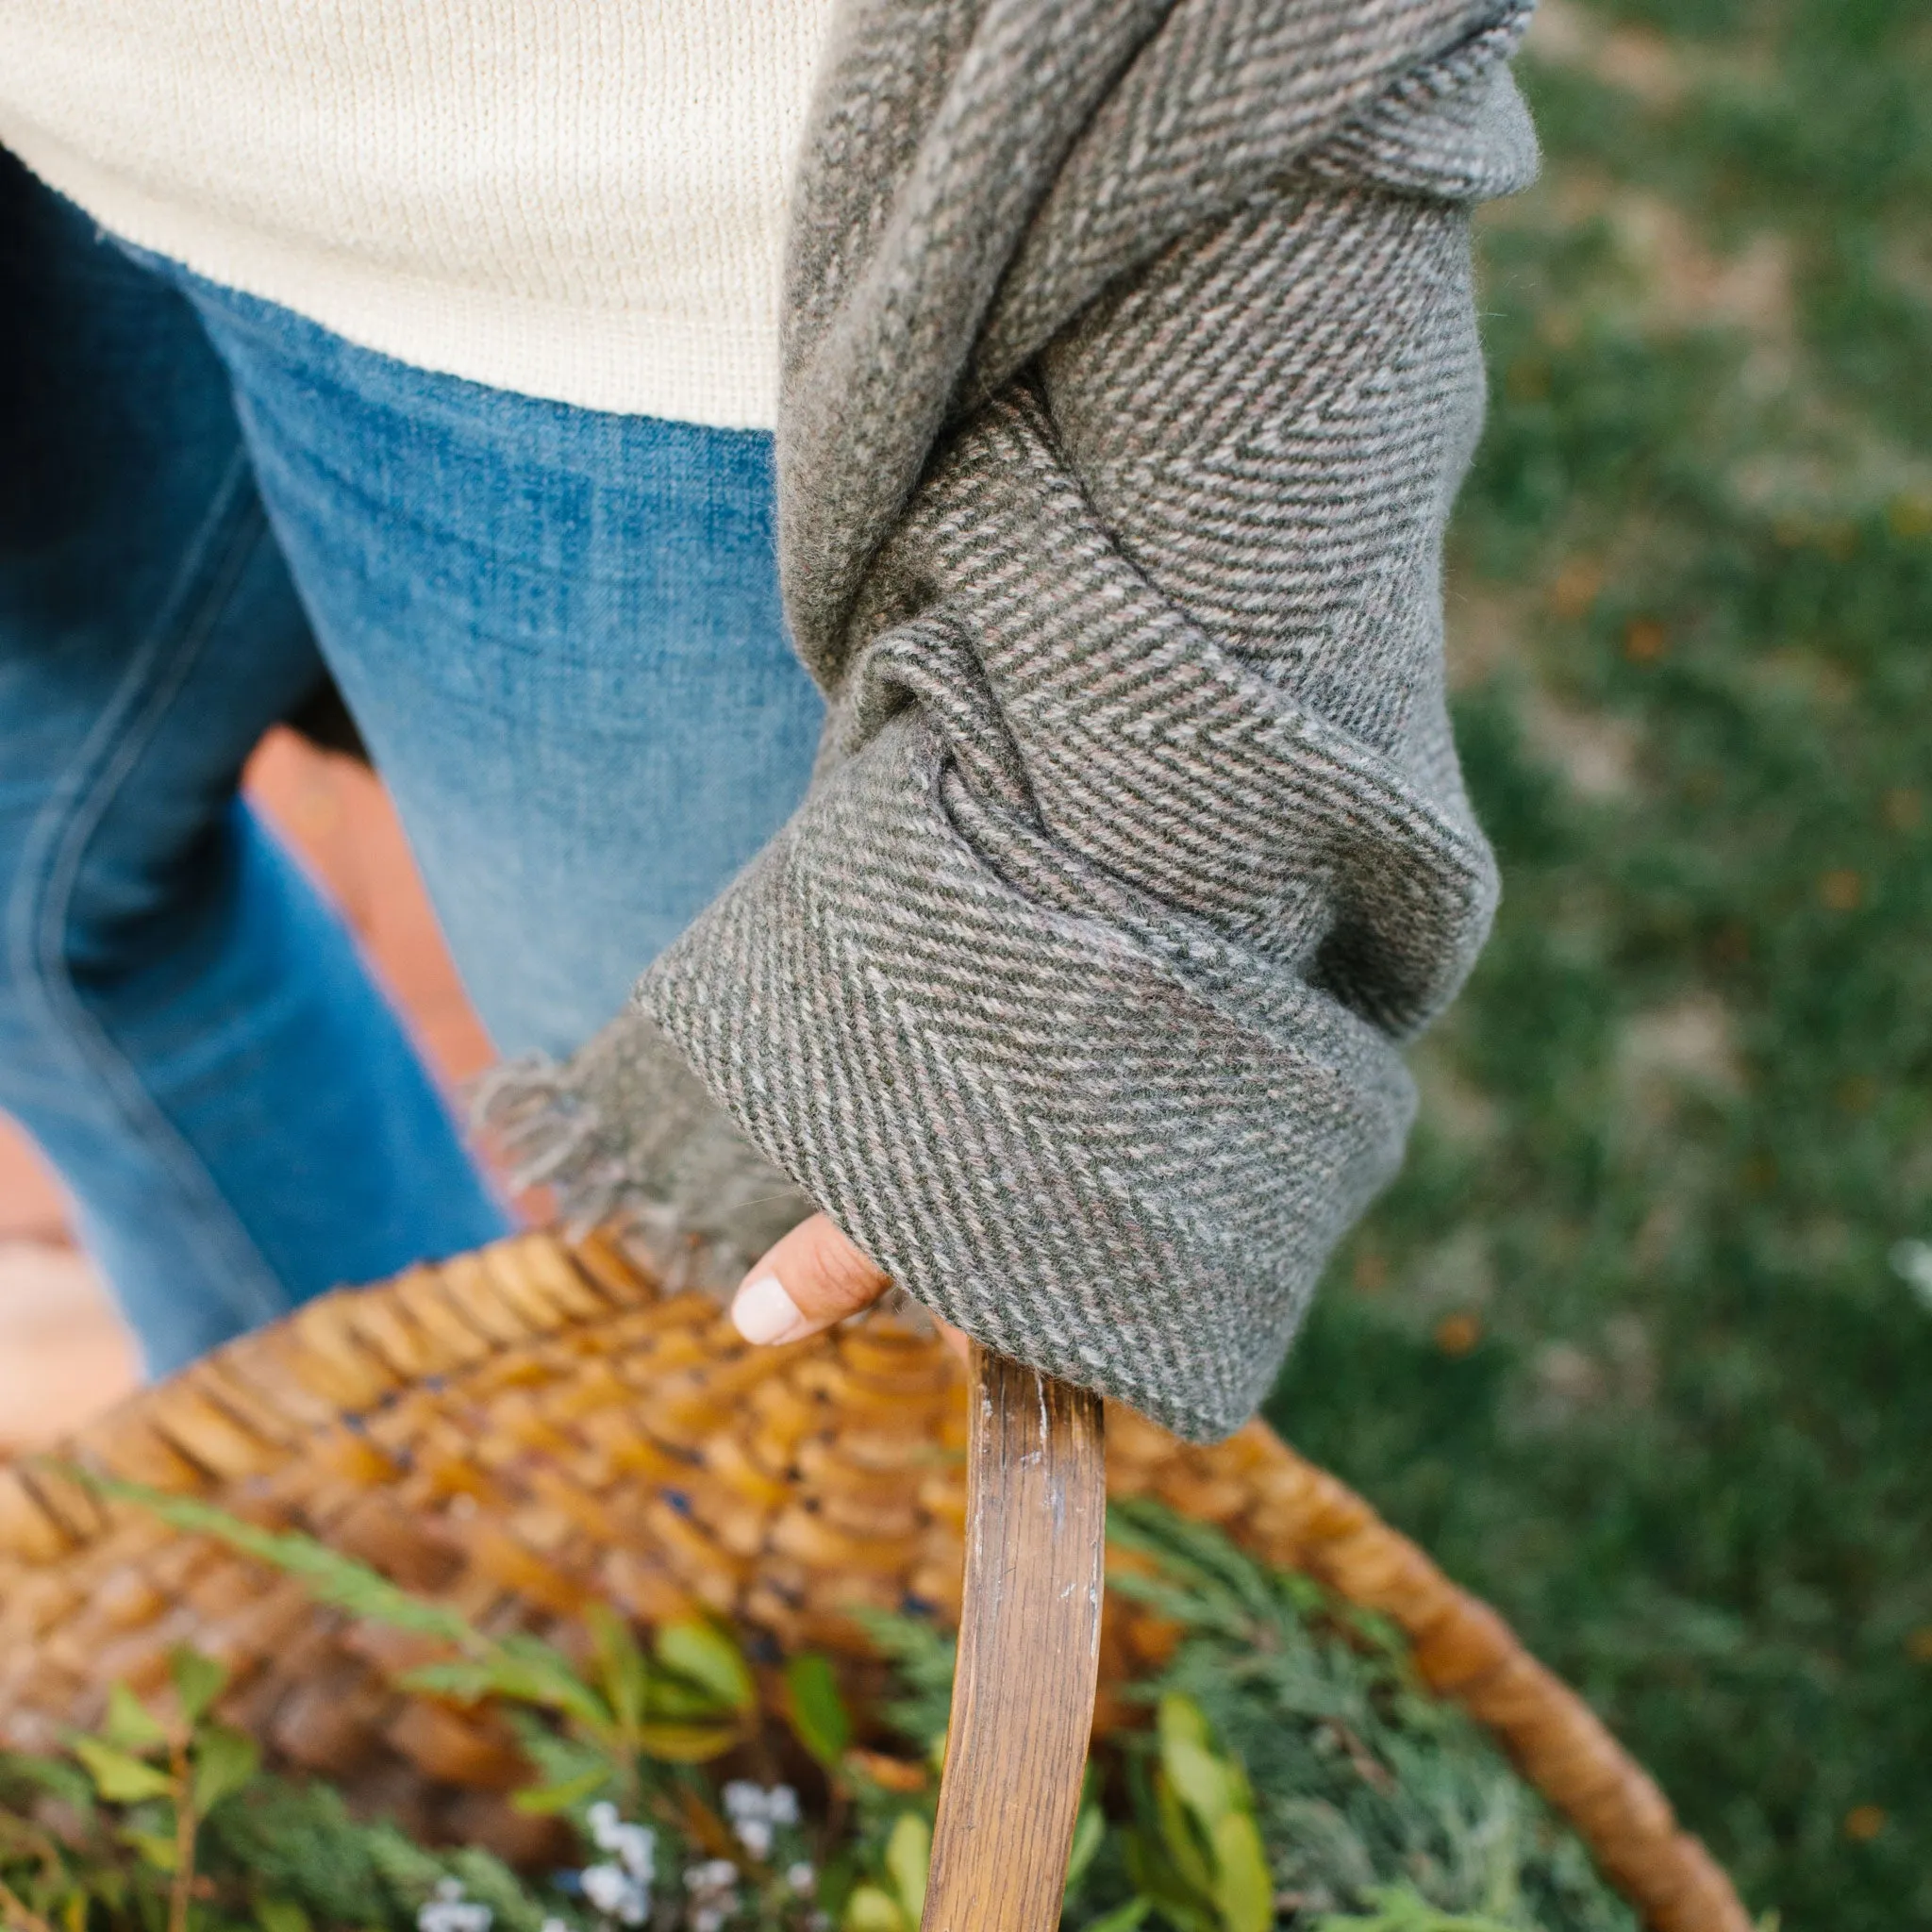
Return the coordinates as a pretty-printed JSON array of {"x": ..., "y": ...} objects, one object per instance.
[{"x": 1130, "y": 370}]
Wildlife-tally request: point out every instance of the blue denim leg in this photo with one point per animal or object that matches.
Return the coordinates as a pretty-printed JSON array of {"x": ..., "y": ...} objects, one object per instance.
[
  {"x": 183, "y": 1026},
  {"x": 560, "y": 634}
]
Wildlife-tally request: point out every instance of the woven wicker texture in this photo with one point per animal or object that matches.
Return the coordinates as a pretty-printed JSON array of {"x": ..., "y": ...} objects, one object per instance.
[{"x": 534, "y": 1426}]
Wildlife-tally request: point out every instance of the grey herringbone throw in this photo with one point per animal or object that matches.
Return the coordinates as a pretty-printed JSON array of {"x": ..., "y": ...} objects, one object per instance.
[{"x": 1131, "y": 369}]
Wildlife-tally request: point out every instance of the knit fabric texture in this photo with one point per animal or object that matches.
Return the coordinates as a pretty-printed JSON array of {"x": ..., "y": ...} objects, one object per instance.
[
  {"x": 1131, "y": 369},
  {"x": 583, "y": 200}
]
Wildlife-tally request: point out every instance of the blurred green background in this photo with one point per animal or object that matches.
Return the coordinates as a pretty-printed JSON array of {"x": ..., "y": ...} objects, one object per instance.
[{"x": 1640, "y": 1345}]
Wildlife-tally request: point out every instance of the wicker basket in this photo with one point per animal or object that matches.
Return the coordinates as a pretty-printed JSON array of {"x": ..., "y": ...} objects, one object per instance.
[{"x": 535, "y": 1426}]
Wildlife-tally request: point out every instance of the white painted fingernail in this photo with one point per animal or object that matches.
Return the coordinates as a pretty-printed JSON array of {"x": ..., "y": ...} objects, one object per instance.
[{"x": 761, "y": 1312}]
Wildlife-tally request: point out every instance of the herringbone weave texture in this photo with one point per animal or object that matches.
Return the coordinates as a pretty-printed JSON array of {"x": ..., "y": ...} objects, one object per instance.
[{"x": 1132, "y": 366}]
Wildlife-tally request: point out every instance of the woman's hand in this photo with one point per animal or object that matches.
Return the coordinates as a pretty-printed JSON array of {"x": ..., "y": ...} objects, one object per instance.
[{"x": 813, "y": 1277}]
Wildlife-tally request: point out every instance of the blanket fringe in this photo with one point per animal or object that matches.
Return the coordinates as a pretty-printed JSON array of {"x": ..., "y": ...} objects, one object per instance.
[{"x": 625, "y": 1136}]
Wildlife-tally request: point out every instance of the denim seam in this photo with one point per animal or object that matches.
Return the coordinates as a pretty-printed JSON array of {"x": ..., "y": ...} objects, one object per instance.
[{"x": 218, "y": 555}]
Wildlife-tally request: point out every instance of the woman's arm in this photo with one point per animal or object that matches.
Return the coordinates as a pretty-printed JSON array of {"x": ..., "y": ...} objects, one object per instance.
[{"x": 1131, "y": 369}]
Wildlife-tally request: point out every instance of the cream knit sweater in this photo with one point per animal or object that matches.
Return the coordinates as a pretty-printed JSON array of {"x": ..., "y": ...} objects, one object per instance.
[{"x": 579, "y": 199}]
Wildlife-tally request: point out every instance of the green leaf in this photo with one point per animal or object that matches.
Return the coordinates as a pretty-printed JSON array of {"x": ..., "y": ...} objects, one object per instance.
[
  {"x": 198, "y": 1681},
  {"x": 225, "y": 1761},
  {"x": 838, "y": 1874},
  {"x": 1244, "y": 1886},
  {"x": 1090, "y": 1831},
  {"x": 873, "y": 1910},
  {"x": 909, "y": 1858},
  {"x": 1155, "y": 1877},
  {"x": 1400, "y": 1909},
  {"x": 459, "y": 1680},
  {"x": 157, "y": 1848},
  {"x": 687, "y": 1744},
  {"x": 532, "y": 1671},
  {"x": 1181, "y": 1841},
  {"x": 1199, "y": 1777},
  {"x": 706, "y": 1655},
  {"x": 329, "y": 1577},
  {"x": 1181, "y": 1718},
  {"x": 118, "y": 1778},
  {"x": 280, "y": 1915},
  {"x": 819, "y": 1718},
  {"x": 129, "y": 1724},
  {"x": 1123, "y": 1918},
  {"x": 59, "y": 1776},
  {"x": 543, "y": 1800},
  {"x": 621, "y": 1667},
  {"x": 561, "y": 1756},
  {"x": 677, "y": 1700},
  {"x": 523, "y": 1672}
]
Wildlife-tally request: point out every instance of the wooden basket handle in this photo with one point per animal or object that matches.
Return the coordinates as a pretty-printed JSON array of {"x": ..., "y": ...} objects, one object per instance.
[{"x": 1029, "y": 1652}]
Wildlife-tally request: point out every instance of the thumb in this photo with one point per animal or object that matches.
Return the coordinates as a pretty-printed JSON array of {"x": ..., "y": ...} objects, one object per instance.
[{"x": 813, "y": 1277}]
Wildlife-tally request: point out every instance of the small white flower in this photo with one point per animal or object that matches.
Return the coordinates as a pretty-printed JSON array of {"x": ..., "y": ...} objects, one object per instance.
[
  {"x": 634, "y": 1846},
  {"x": 1911, "y": 1262},
  {"x": 553, "y": 1925},
  {"x": 802, "y": 1878},
  {"x": 616, "y": 1894},
  {"x": 712, "y": 1889},
  {"x": 754, "y": 1813},
  {"x": 449, "y": 1911},
  {"x": 604, "y": 1886}
]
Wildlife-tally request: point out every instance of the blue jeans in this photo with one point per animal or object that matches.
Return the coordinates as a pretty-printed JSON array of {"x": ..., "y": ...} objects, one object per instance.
[{"x": 558, "y": 632}]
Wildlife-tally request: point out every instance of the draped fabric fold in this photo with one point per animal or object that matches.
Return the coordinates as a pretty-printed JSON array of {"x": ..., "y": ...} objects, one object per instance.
[{"x": 1131, "y": 368}]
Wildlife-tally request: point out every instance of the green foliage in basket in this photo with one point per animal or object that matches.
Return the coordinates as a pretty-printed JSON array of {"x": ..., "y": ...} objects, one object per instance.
[
  {"x": 163, "y": 1820},
  {"x": 1382, "y": 1807},
  {"x": 1294, "y": 1774}
]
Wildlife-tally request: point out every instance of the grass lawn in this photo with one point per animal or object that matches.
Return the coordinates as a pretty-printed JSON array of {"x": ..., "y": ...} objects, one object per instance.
[{"x": 1640, "y": 1345}]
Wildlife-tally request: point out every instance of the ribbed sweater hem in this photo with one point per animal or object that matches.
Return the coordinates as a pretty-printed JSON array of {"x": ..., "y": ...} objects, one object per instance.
[{"x": 681, "y": 367}]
